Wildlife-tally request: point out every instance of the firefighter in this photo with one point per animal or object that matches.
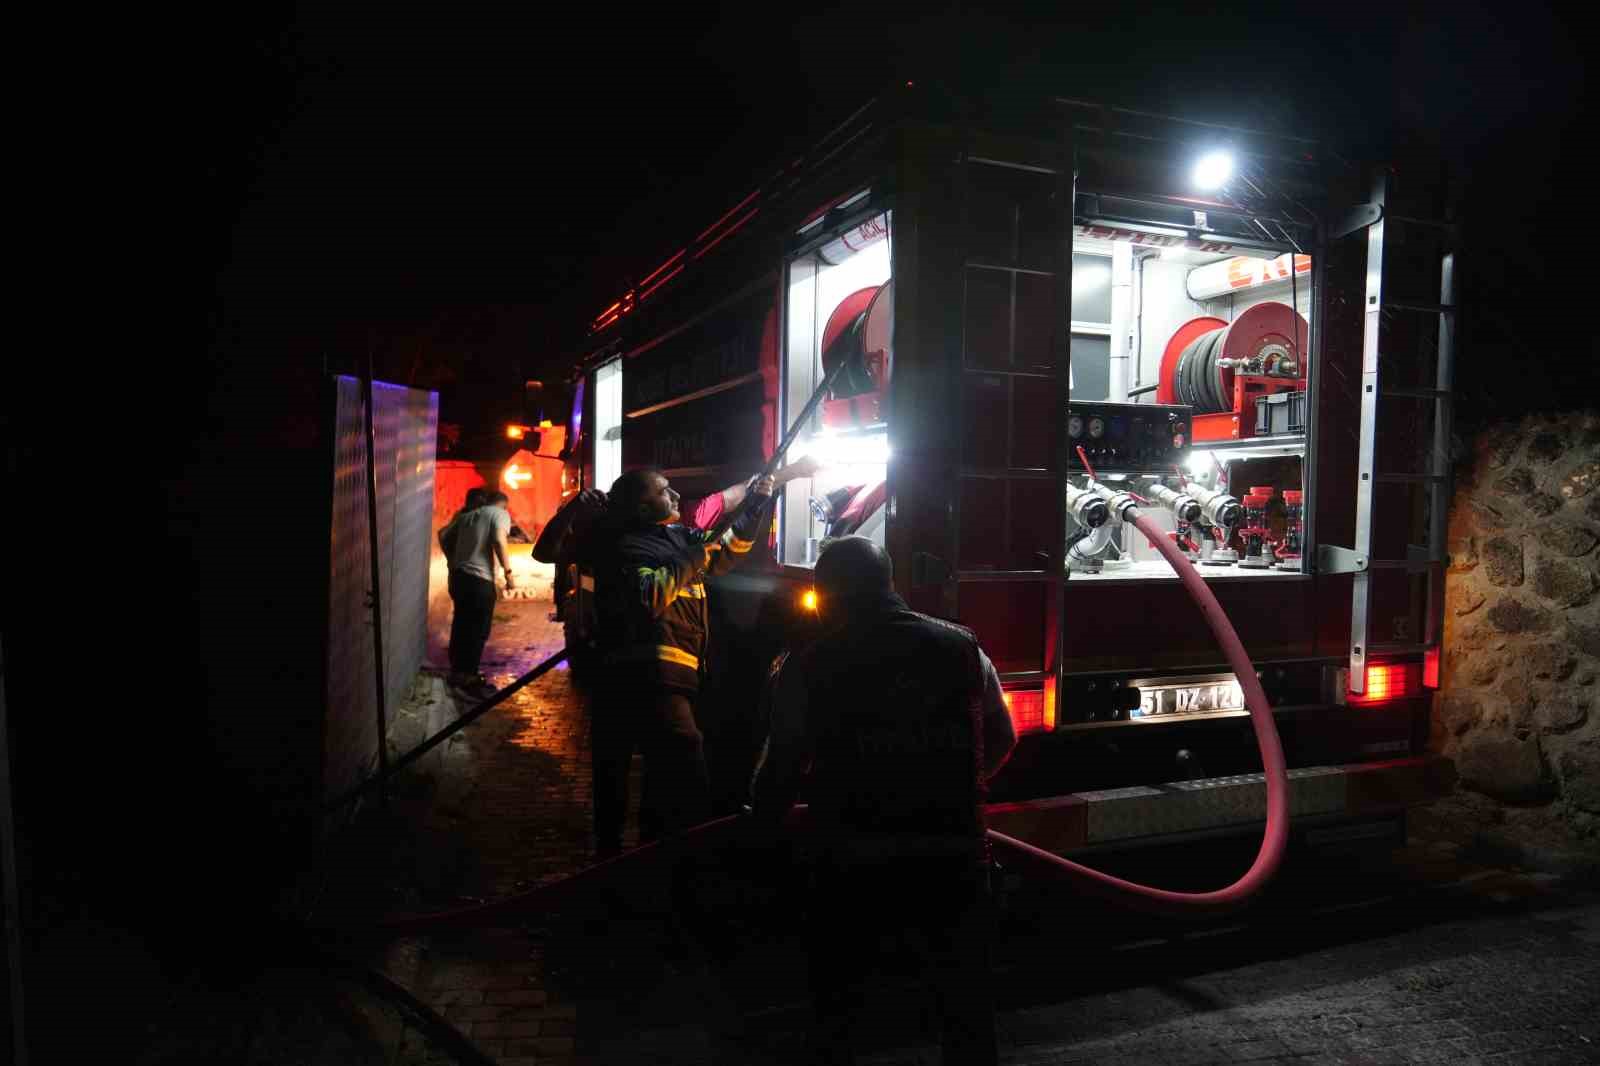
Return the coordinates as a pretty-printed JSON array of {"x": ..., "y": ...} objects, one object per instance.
[
  {"x": 899, "y": 718},
  {"x": 561, "y": 543},
  {"x": 649, "y": 588}
]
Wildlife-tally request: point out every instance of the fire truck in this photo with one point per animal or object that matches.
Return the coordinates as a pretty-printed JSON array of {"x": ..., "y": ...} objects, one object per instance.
[{"x": 1042, "y": 309}]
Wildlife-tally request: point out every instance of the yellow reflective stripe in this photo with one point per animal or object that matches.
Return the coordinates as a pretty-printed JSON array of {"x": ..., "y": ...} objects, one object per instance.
[
  {"x": 693, "y": 592},
  {"x": 666, "y": 653},
  {"x": 739, "y": 547}
]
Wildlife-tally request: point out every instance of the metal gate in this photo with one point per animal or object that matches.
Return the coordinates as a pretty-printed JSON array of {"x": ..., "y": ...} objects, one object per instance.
[{"x": 405, "y": 427}]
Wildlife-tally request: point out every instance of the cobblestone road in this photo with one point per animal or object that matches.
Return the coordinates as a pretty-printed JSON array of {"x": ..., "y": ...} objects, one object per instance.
[{"x": 1428, "y": 959}]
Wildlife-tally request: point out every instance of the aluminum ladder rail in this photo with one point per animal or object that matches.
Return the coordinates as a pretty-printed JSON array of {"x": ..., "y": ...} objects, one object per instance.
[{"x": 1375, "y": 218}]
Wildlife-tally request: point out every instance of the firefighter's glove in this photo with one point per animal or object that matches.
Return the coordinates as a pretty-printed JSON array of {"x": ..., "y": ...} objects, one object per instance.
[{"x": 763, "y": 487}]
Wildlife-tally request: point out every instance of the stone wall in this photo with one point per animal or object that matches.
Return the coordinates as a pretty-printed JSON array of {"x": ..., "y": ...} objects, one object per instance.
[{"x": 1519, "y": 706}]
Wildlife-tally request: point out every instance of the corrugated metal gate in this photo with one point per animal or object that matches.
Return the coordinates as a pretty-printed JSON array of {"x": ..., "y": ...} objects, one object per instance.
[{"x": 405, "y": 425}]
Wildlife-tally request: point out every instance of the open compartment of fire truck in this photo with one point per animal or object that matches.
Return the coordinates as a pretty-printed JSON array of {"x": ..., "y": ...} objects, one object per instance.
[{"x": 1044, "y": 319}]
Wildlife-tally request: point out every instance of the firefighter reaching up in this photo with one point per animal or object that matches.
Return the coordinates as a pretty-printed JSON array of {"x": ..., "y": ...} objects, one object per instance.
[
  {"x": 651, "y": 633},
  {"x": 564, "y": 543},
  {"x": 900, "y": 720}
]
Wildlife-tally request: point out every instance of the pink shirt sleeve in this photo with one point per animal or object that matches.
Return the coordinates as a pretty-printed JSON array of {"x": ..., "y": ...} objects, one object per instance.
[{"x": 707, "y": 511}]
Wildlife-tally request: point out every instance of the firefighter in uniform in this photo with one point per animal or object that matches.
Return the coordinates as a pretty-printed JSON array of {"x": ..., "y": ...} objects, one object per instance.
[
  {"x": 900, "y": 720},
  {"x": 561, "y": 543},
  {"x": 650, "y": 592}
]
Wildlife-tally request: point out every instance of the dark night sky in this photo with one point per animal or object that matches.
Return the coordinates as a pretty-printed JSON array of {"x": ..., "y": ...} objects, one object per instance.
[{"x": 462, "y": 190}]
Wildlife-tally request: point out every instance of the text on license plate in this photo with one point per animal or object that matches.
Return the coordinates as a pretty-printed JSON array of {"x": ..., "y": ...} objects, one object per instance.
[{"x": 1157, "y": 700}]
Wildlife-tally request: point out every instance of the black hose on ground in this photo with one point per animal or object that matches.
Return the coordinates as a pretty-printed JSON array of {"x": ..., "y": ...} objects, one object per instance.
[{"x": 484, "y": 707}]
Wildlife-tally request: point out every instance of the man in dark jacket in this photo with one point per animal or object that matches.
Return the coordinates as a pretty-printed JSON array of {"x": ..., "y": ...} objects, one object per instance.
[
  {"x": 650, "y": 590},
  {"x": 900, "y": 719}
]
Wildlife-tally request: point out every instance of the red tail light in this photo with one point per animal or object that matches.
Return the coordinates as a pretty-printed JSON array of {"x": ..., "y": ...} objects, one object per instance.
[
  {"x": 1430, "y": 667},
  {"x": 1027, "y": 707},
  {"x": 1390, "y": 681}
]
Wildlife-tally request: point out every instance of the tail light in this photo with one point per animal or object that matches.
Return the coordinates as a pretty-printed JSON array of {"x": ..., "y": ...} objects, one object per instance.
[
  {"x": 1430, "y": 667},
  {"x": 1027, "y": 707},
  {"x": 1390, "y": 681}
]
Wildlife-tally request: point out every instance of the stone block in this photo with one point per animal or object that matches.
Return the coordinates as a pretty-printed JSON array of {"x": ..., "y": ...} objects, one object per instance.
[
  {"x": 1491, "y": 515},
  {"x": 1584, "y": 638},
  {"x": 1548, "y": 660},
  {"x": 1513, "y": 703},
  {"x": 1542, "y": 504},
  {"x": 1463, "y": 552},
  {"x": 1475, "y": 636},
  {"x": 1567, "y": 584},
  {"x": 1565, "y": 538},
  {"x": 1561, "y": 714},
  {"x": 1581, "y": 481},
  {"x": 1503, "y": 767},
  {"x": 1465, "y": 598},
  {"x": 1513, "y": 616},
  {"x": 1515, "y": 485},
  {"x": 1578, "y": 769},
  {"x": 1502, "y": 561},
  {"x": 1482, "y": 667},
  {"x": 1457, "y": 712}
]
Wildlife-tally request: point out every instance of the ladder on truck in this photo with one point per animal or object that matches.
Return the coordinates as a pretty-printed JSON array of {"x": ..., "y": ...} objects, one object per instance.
[{"x": 1381, "y": 309}]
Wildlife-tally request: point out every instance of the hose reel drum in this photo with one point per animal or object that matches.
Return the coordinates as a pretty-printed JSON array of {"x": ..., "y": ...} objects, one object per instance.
[{"x": 1218, "y": 368}]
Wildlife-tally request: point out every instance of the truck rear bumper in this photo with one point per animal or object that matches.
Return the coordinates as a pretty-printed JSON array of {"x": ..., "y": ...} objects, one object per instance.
[{"x": 1129, "y": 816}]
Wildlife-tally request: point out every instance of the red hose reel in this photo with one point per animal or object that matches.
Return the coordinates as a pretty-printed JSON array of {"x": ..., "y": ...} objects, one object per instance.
[
  {"x": 1220, "y": 368},
  {"x": 859, "y": 327}
]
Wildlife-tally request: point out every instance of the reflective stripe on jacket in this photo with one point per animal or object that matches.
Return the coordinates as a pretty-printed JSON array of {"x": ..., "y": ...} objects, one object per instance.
[{"x": 652, "y": 599}]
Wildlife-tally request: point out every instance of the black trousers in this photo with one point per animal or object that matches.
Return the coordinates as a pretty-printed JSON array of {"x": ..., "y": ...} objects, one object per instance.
[
  {"x": 628, "y": 714},
  {"x": 942, "y": 905},
  {"x": 473, "y": 614}
]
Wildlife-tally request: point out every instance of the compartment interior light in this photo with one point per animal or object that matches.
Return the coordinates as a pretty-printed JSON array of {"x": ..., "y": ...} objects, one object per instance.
[
  {"x": 515, "y": 432},
  {"x": 1212, "y": 170},
  {"x": 845, "y": 449}
]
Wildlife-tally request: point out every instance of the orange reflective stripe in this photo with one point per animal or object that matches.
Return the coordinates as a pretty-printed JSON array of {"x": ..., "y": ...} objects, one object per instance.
[{"x": 667, "y": 653}]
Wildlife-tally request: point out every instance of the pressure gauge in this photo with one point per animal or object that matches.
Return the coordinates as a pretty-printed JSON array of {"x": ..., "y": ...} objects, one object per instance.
[
  {"x": 1075, "y": 426},
  {"x": 1097, "y": 428}
]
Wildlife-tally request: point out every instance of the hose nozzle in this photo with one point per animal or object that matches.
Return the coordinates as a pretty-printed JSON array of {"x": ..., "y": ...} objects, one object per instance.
[
  {"x": 1087, "y": 508},
  {"x": 1122, "y": 504},
  {"x": 1218, "y": 508},
  {"x": 1185, "y": 507}
]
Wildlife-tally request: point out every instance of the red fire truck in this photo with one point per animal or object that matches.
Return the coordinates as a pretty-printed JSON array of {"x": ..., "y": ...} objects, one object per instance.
[{"x": 1040, "y": 308}]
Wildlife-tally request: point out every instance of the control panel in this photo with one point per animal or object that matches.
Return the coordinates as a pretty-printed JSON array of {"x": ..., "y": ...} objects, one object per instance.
[{"x": 1128, "y": 438}]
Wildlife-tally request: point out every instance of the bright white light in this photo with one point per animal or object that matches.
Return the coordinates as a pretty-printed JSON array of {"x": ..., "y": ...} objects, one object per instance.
[
  {"x": 1199, "y": 464},
  {"x": 1172, "y": 251},
  {"x": 1213, "y": 170},
  {"x": 834, "y": 450}
]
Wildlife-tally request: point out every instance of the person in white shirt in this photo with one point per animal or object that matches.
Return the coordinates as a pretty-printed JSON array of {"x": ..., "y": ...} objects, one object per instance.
[{"x": 473, "y": 542}]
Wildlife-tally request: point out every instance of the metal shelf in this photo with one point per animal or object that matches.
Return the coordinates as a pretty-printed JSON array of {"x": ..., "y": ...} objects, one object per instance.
[{"x": 1255, "y": 447}]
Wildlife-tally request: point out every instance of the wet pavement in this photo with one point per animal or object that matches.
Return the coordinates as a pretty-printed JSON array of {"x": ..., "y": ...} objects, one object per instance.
[{"x": 1375, "y": 955}]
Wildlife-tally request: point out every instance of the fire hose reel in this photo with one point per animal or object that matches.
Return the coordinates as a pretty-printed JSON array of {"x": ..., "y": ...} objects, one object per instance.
[
  {"x": 858, "y": 333},
  {"x": 1221, "y": 368}
]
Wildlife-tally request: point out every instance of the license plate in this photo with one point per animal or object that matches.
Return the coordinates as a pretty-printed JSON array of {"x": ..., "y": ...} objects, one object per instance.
[{"x": 1195, "y": 696}]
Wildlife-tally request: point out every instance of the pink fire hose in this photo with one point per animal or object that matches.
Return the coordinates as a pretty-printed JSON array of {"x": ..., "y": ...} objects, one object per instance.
[
  {"x": 1015, "y": 854},
  {"x": 1276, "y": 837}
]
